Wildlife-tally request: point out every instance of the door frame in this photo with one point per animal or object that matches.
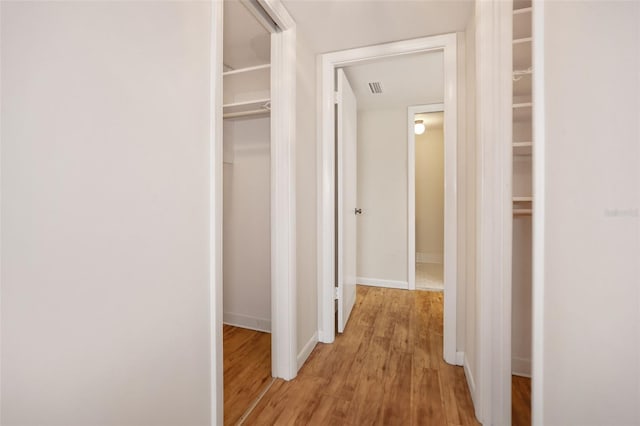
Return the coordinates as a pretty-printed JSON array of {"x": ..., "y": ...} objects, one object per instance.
[
  {"x": 494, "y": 108},
  {"x": 283, "y": 196},
  {"x": 327, "y": 65}
]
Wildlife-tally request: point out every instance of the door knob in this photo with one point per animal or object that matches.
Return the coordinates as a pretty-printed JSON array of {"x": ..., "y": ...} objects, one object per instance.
[{"x": 358, "y": 211}]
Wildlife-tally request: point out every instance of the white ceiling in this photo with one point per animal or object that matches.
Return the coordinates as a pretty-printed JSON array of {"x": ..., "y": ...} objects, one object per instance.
[
  {"x": 331, "y": 25},
  {"x": 406, "y": 80},
  {"x": 246, "y": 41}
]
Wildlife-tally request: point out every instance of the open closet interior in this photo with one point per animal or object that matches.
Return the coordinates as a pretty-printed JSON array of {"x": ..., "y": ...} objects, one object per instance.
[
  {"x": 522, "y": 209},
  {"x": 246, "y": 210}
]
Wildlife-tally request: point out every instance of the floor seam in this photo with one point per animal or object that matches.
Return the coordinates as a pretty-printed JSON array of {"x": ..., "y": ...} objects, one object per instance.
[{"x": 255, "y": 403}]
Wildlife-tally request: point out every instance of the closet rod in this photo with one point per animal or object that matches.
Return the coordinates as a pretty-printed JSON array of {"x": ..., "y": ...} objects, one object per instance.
[
  {"x": 246, "y": 113},
  {"x": 265, "y": 102}
]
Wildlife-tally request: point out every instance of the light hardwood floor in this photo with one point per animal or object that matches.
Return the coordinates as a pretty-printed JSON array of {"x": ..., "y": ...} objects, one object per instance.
[
  {"x": 386, "y": 369},
  {"x": 521, "y": 401},
  {"x": 247, "y": 369}
]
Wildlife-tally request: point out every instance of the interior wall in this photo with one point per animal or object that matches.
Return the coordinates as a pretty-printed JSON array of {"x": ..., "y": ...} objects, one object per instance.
[
  {"x": 470, "y": 213},
  {"x": 430, "y": 195},
  {"x": 521, "y": 271},
  {"x": 105, "y": 213},
  {"x": 382, "y": 195},
  {"x": 247, "y": 224},
  {"x": 521, "y": 266},
  {"x": 590, "y": 319},
  {"x": 306, "y": 201},
  {"x": 521, "y": 310}
]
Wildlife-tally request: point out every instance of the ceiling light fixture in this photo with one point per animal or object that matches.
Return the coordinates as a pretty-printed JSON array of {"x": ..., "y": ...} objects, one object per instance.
[{"x": 419, "y": 127}]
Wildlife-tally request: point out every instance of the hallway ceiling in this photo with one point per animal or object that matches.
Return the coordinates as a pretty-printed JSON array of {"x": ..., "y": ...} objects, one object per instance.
[
  {"x": 416, "y": 79},
  {"x": 331, "y": 25}
]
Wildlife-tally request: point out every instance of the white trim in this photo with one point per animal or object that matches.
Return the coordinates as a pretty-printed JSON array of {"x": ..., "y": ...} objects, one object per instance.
[
  {"x": 215, "y": 220},
  {"x": 470, "y": 381},
  {"x": 276, "y": 11},
  {"x": 246, "y": 321},
  {"x": 326, "y": 201},
  {"x": 412, "y": 256},
  {"x": 1, "y": 204},
  {"x": 538, "y": 221},
  {"x": 460, "y": 358},
  {"x": 283, "y": 201},
  {"x": 323, "y": 256},
  {"x": 494, "y": 167},
  {"x": 321, "y": 338},
  {"x": 326, "y": 169},
  {"x": 427, "y": 258},
  {"x": 451, "y": 199},
  {"x": 521, "y": 367},
  {"x": 306, "y": 350},
  {"x": 376, "y": 282}
]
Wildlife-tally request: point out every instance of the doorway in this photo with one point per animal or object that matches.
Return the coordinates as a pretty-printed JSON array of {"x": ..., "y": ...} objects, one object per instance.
[
  {"x": 277, "y": 123},
  {"x": 426, "y": 227},
  {"x": 329, "y": 222}
]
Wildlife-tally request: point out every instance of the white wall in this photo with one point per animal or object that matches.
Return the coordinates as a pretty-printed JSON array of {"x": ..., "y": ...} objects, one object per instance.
[
  {"x": 591, "y": 314},
  {"x": 382, "y": 194},
  {"x": 521, "y": 272},
  {"x": 247, "y": 224},
  {"x": 105, "y": 213},
  {"x": 306, "y": 205},
  {"x": 430, "y": 195},
  {"x": 521, "y": 296}
]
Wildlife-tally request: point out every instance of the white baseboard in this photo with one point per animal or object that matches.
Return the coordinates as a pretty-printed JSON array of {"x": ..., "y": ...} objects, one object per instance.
[
  {"x": 374, "y": 282},
  {"x": 244, "y": 321},
  {"x": 307, "y": 349},
  {"x": 521, "y": 367},
  {"x": 460, "y": 358},
  {"x": 470, "y": 381},
  {"x": 429, "y": 258}
]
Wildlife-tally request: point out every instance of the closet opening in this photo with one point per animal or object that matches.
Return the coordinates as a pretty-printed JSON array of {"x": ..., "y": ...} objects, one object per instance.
[
  {"x": 257, "y": 321},
  {"x": 522, "y": 207}
]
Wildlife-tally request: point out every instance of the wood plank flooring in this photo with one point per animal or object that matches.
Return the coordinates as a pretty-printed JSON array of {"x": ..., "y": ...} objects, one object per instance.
[
  {"x": 521, "y": 401},
  {"x": 386, "y": 369},
  {"x": 247, "y": 369}
]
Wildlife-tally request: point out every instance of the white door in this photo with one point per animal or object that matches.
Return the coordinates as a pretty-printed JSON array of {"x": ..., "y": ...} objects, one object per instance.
[{"x": 346, "y": 150}]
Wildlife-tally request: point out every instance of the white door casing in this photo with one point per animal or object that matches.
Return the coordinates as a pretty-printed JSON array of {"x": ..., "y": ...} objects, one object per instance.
[
  {"x": 347, "y": 139},
  {"x": 327, "y": 164}
]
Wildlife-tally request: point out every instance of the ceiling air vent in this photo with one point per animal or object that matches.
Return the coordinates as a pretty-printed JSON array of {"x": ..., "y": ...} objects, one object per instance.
[{"x": 375, "y": 88}]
